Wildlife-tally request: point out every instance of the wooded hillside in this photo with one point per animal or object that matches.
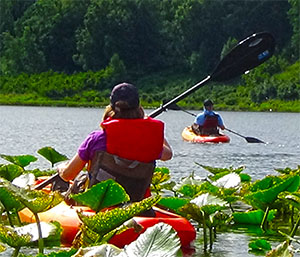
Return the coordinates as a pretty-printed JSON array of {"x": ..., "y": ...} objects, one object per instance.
[{"x": 72, "y": 52}]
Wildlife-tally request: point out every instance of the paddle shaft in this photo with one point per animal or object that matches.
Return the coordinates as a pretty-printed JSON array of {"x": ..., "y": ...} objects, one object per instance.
[
  {"x": 191, "y": 90},
  {"x": 235, "y": 132},
  {"x": 46, "y": 182}
]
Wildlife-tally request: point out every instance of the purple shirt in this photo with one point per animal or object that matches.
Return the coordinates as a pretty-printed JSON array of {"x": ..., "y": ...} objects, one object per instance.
[{"x": 95, "y": 141}]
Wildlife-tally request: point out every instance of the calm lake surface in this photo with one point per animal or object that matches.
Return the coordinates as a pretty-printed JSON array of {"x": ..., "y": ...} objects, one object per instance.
[{"x": 24, "y": 130}]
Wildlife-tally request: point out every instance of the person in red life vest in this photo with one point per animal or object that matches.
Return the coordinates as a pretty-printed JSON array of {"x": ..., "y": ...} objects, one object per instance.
[
  {"x": 208, "y": 122},
  {"x": 124, "y": 149}
]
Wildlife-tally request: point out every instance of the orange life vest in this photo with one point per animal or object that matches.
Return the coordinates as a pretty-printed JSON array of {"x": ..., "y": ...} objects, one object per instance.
[{"x": 134, "y": 139}]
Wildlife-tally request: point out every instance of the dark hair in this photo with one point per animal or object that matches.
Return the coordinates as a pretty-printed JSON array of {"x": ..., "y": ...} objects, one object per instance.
[
  {"x": 208, "y": 102},
  {"x": 124, "y": 96},
  {"x": 124, "y": 103},
  {"x": 120, "y": 113}
]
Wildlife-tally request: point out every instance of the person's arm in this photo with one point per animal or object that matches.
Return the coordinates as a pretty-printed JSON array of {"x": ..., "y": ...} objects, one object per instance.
[
  {"x": 196, "y": 128},
  {"x": 70, "y": 170},
  {"x": 167, "y": 152},
  {"x": 220, "y": 123}
]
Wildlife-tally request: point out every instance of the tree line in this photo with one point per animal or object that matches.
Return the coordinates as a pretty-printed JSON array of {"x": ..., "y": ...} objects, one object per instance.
[{"x": 139, "y": 41}]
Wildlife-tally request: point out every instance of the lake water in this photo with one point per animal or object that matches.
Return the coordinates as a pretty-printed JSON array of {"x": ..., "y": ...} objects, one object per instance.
[{"x": 24, "y": 130}]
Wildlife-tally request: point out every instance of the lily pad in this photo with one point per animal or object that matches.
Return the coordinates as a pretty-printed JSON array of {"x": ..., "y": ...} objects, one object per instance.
[
  {"x": 102, "y": 195},
  {"x": 20, "y": 160},
  {"x": 260, "y": 245},
  {"x": 10, "y": 171},
  {"x": 252, "y": 217},
  {"x": 52, "y": 155},
  {"x": 173, "y": 203},
  {"x": 104, "y": 222},
  {"x": 263, "y": 198}
]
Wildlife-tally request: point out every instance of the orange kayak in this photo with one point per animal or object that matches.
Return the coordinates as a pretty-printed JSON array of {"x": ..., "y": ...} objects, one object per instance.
[
  {"x": 66, "y": 215},
  {"x": 188, "y": 135}
]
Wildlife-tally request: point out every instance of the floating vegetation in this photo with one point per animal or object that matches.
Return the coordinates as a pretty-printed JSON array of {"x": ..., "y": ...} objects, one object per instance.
[{"x": 224, "y": 199}]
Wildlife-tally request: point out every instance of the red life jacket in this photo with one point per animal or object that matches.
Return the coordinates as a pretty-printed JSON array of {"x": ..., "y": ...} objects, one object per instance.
[
  {"x": 210, "y": 125},
  {"x": 134, "y": 139}
]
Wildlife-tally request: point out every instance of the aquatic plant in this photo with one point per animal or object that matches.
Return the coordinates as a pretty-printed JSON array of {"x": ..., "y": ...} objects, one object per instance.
[
  {"x": 52, "y": 155},
  {"x": 19, "y": 160},
  {"x": 159, "y": 240}
]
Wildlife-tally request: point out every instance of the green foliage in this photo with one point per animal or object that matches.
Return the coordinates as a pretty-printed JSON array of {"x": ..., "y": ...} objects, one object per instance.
[
  {"x": 102, "y": 195},
  {"x": 254, "y": 217},
  {"x": 20, "y": 160},
  {"x": 75, "y": 54},
  {"x": 260, "y": 245},
  {"x": 265, "y": 197},
  {"x": 10, "y": 171},
  {"x": 52, "y": 155},
  {"x": 159, "y": 240},
  {"x": 105, "y": 221},
  {"x": 173, "y": 203}
]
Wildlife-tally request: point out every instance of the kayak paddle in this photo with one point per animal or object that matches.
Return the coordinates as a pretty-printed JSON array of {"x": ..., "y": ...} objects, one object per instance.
[
  {"x": 248, "y": 139},
  {"x": 246, "y": 55}
]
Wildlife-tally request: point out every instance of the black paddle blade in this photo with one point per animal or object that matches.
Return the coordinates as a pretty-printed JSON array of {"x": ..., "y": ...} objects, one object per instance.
[
  {"x": 248, "y": 54},
  {"x": 254, "y": 140}
]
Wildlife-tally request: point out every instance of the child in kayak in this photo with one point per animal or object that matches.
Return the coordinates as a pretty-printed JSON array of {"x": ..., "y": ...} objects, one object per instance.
[{"x": 124, "y": 149}]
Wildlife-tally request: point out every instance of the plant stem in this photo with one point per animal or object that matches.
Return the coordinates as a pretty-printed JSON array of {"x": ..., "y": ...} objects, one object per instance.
[
  {"x": 41, "y": 241},
  {"x": 295, "y": 227},
  {"x": 204, "y": 233},
  {"x": 265, "y": 220},
  {"x": 210, "y": 237},
  {"x": 16, "y": 252}
]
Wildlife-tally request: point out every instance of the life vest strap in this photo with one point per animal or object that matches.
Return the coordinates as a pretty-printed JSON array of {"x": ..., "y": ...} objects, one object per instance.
[{"x": 134, "y": 176}]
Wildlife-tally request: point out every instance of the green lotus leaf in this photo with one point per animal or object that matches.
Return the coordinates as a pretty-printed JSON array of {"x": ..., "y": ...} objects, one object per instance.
[
  {"x": 160, "y": 175},
  {"x": 262, "y": 199},
  {"x": 104, "y": 222},
  {"x": 245, "y": 177},
  {"x": 36, "y": 201},
  {"x": 9, "y": 236},
  {"x": 39, "y": 201},
  {"x": 52, "y": 155},
  {"x": 260, "y": 245},
  {"x": 252, "y": 217},
  {"x": 10, "y": 171},
  {"x": 189, "y": 190},
  {"x": 192, "y": 211},
  {"x": 292, "y": 198},
  {"x": 102, "y": 195},
  {"x": 20, "y": 160},
  {"x": 173, "y": 203},
  {"x": 159, "y": 240},
  {"x": 7, "y": 197},
  {"x": 265, "y": 183},
  {"x": 189, "y": 180},
  {"x": 289, "y": 170},
  {"x": 216, "y": 171},
  {"x": 107, "y": 250}
]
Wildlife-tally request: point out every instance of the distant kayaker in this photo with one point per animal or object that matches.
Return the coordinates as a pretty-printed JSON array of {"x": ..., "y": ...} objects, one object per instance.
[
  {"x": 125, "y": 148},
  {"x": 208, "y": 122}
]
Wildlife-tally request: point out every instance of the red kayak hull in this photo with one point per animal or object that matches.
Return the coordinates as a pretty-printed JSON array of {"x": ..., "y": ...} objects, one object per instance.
[
  {"x": 188, "y": 135},
  {"x": 67, "y": 217}
]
